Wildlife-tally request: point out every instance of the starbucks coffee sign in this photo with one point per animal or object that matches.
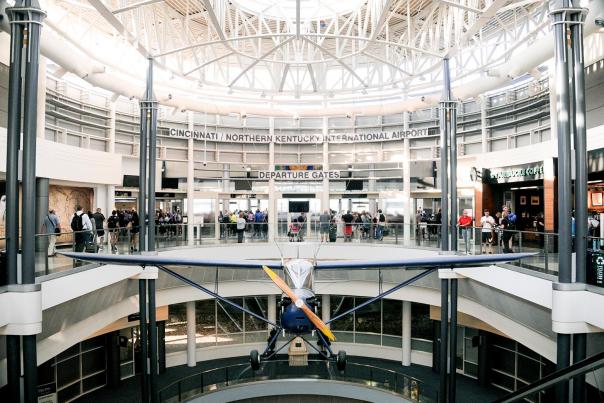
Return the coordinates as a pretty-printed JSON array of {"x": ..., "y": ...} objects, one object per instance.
[
  {"x": 297, "y": 138},
  {"x": 513, "y": 174}
]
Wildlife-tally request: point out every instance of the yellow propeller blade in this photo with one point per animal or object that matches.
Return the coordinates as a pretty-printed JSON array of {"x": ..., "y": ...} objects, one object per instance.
[{"x": 319, "y": 324}]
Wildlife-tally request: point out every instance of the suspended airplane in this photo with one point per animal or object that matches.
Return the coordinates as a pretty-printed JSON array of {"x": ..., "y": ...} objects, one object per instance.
[{"x": 298, "y": 301}]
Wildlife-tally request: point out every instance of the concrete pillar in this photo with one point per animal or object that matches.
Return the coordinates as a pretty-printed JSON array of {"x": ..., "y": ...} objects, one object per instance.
[
  {"x": 41, "y": 212},
  {"x": 325, "y": 193},
  {"x": 325, "y": 308},
  {"x": 272, "y": 199},
  {"x": 406, "y": 333},
  {"x": 373, "y": 207},
  {"x": 408, "y": 215},
  {"x": 111, "y": 149},
  {"x": 191, "y": 181},
  {"x": 272, "y": 309},
  {"x": 191, "y": 335},
  {"x": 41, "y": 100},
  {"x": 483, "y": 123}
]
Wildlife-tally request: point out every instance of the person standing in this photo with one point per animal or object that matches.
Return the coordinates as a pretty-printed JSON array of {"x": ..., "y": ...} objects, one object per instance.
[
  {"x": 51, "y": 226},
  {"x": 347, "y": 219},
  {"x": 465, "y": 223},
  {"x": 487, "y": 222},
  {"x": 113, "y": 223},
  {"x": 99, "y": 220},
  {"x": 240, "y": 227},
  {"x": 506, "y": 234},
  {"x": 82, "y": 228},
  {"x": 134, "y": 224},
  {"x": 381, "y": 224},
  {"x": 324, "y": 220},
  {"x": 540, "y": 222}
]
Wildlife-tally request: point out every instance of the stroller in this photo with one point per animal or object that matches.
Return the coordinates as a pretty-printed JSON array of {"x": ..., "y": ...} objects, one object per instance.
[{"x": 294, "y": 232}]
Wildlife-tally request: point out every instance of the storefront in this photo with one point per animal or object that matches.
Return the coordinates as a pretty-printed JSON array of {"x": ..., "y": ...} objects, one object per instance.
[{"x": 523, "y": 188}]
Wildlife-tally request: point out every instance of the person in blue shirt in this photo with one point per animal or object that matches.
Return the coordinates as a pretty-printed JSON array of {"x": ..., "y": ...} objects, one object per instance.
[{"x": 259, "y": 222}]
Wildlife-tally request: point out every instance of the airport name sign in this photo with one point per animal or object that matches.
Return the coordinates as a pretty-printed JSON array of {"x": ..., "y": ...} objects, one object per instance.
[
  {"x": 299, "y": 175},
  {"x": 297, "y": 138}
]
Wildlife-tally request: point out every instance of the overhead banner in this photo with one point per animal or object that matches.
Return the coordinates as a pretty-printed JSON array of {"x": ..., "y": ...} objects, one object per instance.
[
  {"x": 297, "y": 138},
  {"x": 299, "y": 175}
]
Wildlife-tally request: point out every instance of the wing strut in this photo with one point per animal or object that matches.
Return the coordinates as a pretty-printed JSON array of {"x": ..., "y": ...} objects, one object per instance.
[
  {"x": 383, "y": 295},
  {"x": 213, "y": 294}
]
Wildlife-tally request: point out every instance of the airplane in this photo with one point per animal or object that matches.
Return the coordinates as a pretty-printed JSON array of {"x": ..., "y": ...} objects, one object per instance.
[{"x": 298, "y": 301}]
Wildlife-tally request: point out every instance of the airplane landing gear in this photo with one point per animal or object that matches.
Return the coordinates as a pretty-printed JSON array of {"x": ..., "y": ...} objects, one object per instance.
[
  {"x": 255, "y": 360},
  {"x": 341, "y": 360}
]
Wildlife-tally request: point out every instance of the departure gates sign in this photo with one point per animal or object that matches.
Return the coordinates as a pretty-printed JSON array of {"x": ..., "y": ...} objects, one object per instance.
[
  {"x": 300, "y": 138},
  {"x": 299, "y": 172}
]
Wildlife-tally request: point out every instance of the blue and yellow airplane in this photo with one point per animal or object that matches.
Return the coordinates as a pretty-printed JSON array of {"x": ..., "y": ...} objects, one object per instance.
[{"x": 298, "y": 301}]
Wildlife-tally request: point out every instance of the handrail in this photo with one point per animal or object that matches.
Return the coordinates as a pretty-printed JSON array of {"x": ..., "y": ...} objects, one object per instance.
[
  {"x": 592, "y": 363},
  {"x": 410, "y": 387}
]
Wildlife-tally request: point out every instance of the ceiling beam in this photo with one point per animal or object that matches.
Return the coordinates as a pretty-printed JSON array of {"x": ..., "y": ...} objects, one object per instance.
[
  {"x": 337, "y": 59},
  {"x": 135, "y": 5},
  {"x": 259, "y": 59}
]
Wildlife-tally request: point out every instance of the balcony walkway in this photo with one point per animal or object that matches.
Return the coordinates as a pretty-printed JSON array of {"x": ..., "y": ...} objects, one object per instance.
[{"x": 468, "y": 389}]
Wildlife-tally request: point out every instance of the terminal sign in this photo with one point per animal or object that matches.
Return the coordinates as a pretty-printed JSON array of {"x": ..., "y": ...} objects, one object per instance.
[
  {"x": 297, "y": 138},
  {"x": 299, "y": 175}
]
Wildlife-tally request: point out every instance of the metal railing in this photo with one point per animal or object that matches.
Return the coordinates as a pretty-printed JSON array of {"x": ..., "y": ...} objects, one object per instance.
[
  {"x": 370, "y": 376},
  {"x": 471, "y": 240}
]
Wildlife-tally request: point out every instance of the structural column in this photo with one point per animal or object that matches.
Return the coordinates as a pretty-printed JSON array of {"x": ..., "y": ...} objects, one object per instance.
[
  {"x": 408, "y": 215},
  {"x": 406, "y": 333},
  {"x": 444, "y": 325},
  {"x": 452, "y": 123},
  {"x": 13, "y": 342},
  {"x": 191, "y": 335},
  {"x": 272, "y": 199},
  {"x": 41, "y": 100},
  {"x": 272, "y": 309},
  {"x": 580, "y": 137},
  {"x": 191, "y": 183},
  {"x": 151, "y": 106},
  {"x": 561, "y": 55},
  {"x": 484, "y": 132},
  {"x": 110, "y": 206},
  {"x": 326, "y": 308},
  {"x": 325, "y": 194},
  {"x": 444, "y": 157}
]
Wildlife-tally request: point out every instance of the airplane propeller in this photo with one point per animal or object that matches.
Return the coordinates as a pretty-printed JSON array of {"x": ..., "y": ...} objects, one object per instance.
[{"x": 300, "y": 304}]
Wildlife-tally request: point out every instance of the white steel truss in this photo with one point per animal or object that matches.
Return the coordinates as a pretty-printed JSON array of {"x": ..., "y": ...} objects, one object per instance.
[{"x": 380, "y": 44}]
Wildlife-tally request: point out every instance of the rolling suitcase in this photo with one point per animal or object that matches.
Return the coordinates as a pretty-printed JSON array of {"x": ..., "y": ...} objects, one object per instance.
[
  {"x": 91, "y": 245},
  {"x": 333, "y": 233}
]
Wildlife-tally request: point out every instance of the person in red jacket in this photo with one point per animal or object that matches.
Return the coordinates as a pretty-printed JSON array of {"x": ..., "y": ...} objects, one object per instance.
[{"x": 465, "y": 223}]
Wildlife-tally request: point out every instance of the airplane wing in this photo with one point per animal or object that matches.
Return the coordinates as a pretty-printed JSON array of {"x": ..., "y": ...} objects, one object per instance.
[
  {"x": 443, "y": 261},
  {"x": 158, "y": 260}
]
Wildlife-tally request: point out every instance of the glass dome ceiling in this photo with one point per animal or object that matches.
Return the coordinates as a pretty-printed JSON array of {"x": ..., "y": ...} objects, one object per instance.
[
  {"x": 287, "y": 9},
  {"x": 331, "y": 52}
]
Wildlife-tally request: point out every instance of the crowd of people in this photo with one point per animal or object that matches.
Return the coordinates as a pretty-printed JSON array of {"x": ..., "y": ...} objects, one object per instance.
[
  {"x": 238, "y": 222},
  {"x": 352, "y": 225}
]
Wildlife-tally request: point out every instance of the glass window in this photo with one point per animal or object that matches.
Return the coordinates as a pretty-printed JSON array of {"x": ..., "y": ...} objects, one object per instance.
[
  {"x": 503, "y": 360},
  {"x": 230, "y": 319},
  {"x": 528, "y": 369},
  {"x": 68, "y": 371},
  {"x": 93, "y": 361},
  {"x": 93, "y": 382},
  {"x": 46, "y": 372},
  {"x": 392, "y": 317},
  {"x": 205, "y": 313},
  {"x": 368, "y": 319},
  {"x": 421, "y": 324},
  {"x": 125, "y": 343},
  {"x": 340, "y": 304},
  {"x": 176, "y": 325},
  {"x": 258, "y": 305}
]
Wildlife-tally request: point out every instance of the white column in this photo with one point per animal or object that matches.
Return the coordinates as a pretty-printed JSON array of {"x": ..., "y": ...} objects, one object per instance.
[
  {"x": 373, "y": 207},
  {"x": 325, "y": 308},
  {"x": 272, "y": 309},
  {"x": 407, "y": 204},
  {"x": 483, "y": 123},
  {"x": 272, "y": 200},
  {"x": 325, "y": 194},
  {"x": 191, "y": 335},
  {"x": 41, "y": 101},
  {"x": 190, "y": 181},
  {"x": 406, "y": 333},
  {"x": 111, "y": 150}
]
